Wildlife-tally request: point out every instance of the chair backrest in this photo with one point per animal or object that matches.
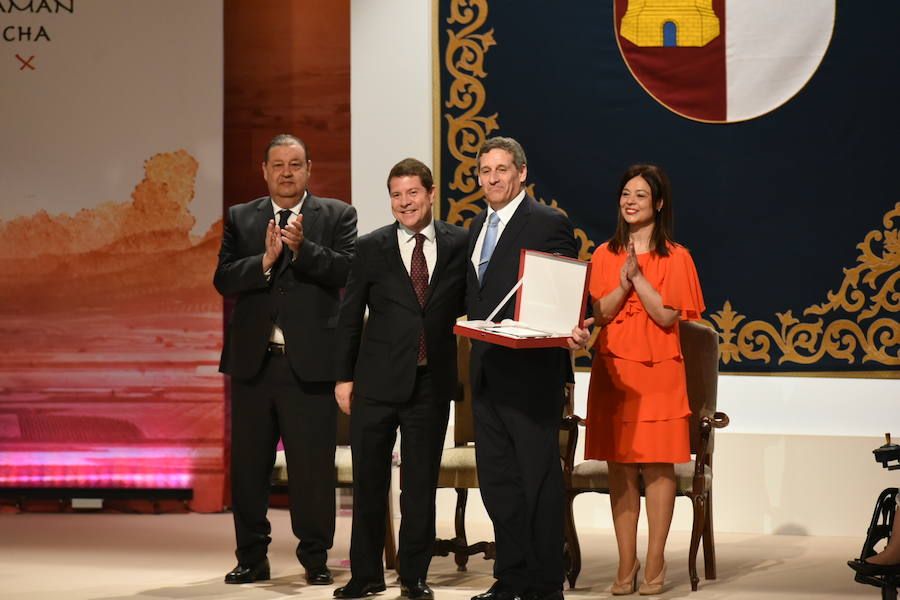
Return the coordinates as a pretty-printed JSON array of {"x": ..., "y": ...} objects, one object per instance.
[
  {"x": 700, "y": 348},
  {"x": 463, "y": 424}
]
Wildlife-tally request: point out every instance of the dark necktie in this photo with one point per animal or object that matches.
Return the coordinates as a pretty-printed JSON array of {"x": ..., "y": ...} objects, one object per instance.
[
  {"x": 418, "y": 273},
  {"x": 283, "y": 215}
]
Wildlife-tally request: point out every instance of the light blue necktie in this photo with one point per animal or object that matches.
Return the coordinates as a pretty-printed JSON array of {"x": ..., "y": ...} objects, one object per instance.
[{"x": 487, "y": 247}]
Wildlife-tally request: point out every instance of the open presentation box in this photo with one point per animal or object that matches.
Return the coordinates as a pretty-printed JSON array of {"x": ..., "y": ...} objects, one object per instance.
[{"x": 551, "y": 297}]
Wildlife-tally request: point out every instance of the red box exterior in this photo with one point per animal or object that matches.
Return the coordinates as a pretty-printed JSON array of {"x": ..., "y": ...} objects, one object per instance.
[{"x": 502, "y": 340}]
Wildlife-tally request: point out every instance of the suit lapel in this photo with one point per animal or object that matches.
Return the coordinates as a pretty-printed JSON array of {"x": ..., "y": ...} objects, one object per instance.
[
  {"x": 391, "y": 248},
  {"x": 518, "y": 221},
  {"x": 475, "y": 230},
  {"x": 310, "y": 210},
  {"x": 261, "y": 220},
  {"x": 507, "y": 242},
  {"x": 441, "y": 238}
]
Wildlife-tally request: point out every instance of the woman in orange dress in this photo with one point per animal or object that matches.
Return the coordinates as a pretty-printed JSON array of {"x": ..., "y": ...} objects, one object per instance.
[{"x": 642, "y": 284}]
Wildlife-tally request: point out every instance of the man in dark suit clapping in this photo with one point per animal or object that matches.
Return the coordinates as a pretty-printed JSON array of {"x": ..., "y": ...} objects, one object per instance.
[
  {"x": 398, "y": 370},
  {"x": 285, "y": 257}
]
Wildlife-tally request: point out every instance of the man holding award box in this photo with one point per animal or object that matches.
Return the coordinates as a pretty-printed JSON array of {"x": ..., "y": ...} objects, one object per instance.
[{"x": 518, "y": 393}]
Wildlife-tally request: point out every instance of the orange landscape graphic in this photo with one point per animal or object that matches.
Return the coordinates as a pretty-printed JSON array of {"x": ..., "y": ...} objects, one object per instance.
[{"x": 110, "y": 334}]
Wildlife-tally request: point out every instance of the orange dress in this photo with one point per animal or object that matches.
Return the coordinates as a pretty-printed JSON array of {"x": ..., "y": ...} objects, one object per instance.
[{"x": 637, "y": 400}]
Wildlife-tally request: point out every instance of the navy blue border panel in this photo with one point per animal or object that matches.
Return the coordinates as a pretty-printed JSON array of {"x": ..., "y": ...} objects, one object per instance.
[{"x": 772, "y": 209}]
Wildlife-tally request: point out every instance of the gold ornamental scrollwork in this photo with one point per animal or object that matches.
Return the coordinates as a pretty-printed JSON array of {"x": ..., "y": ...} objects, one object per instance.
[
  {"x": 467, "y": 128},
  {"x": 856, "y": 329}
]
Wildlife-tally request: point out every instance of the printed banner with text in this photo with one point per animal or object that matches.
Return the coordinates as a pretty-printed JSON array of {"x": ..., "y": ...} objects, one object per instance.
[{"x": 110, "y": 223}]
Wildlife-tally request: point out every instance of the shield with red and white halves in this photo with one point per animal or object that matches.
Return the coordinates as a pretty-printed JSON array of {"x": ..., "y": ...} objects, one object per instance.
[{"x": 723, "y": 60}]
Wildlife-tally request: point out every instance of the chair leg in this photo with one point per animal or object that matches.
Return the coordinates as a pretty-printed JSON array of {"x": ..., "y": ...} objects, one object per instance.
[
  {"x": 696, "y": 532},
  {"x": 572, "y": 546},
  {"x": 709, "y": 542},
  {"x": 461, "y": 555},
  {"x": 390, "y": 547}
]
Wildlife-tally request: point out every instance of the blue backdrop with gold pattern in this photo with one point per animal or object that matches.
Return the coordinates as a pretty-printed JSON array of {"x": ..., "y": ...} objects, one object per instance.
[{"x": 779, "y": 135}]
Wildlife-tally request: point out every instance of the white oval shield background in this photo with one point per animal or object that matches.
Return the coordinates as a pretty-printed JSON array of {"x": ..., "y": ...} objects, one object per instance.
[{"x": 772, "y": 49}]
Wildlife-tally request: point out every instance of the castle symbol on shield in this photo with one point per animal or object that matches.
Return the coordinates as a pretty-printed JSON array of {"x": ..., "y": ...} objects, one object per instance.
[{"x": 670, "y": 23}]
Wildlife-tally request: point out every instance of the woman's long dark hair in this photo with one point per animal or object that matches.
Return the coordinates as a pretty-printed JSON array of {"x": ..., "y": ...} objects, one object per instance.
[{"x": 663, "y": 219}]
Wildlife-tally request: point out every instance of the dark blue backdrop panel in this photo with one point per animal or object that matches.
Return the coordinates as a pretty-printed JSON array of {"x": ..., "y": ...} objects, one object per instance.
[{"x": 791, "y": 217}]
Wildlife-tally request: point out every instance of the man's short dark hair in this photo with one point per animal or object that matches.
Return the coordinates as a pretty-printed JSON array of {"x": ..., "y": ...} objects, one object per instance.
[
  {"x": 412, "y": 167},
  {"x": 285, "y": 139}
]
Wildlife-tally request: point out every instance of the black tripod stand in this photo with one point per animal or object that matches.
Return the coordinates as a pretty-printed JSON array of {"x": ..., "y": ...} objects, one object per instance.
[{"x": 886, "y": 577}]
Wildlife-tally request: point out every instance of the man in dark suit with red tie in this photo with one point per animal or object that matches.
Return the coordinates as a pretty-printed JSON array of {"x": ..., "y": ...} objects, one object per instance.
[
  {"x": 518, "y": 394},
  {"x": 398, "y": 370},
  {"x": 285, "y": 257}
]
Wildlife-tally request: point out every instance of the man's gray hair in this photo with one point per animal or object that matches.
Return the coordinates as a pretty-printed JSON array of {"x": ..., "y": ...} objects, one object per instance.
[{"x": 504, "y": 143}]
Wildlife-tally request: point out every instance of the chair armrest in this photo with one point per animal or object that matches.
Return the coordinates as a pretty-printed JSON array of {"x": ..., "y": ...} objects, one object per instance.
[
  {"x": 717, "y": 421},
  {"x": 569, "y": 394},
  {"x": 720, "y": 420}
]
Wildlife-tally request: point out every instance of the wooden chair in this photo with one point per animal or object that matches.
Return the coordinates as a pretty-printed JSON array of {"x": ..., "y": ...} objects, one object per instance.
[
  {"x": 458, "y": 468},
  {"x": 699, "y": 345},
  {"x": 343, "y": 466}
]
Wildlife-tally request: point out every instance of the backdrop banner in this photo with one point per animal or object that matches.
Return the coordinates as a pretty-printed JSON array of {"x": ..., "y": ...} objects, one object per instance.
[
  {"x": 776, "y": 122},
  {"x": 110, "y": 221}
]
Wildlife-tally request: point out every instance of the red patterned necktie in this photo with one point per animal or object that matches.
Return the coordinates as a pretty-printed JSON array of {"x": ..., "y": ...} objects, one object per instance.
[{"x": 418, "y": 273}]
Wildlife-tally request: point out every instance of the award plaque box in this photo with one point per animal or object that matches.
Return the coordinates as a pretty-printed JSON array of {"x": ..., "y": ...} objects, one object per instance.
[{"x": 551, "y": 295}]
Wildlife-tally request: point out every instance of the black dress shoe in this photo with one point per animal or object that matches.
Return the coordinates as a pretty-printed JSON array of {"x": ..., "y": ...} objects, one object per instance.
[
  {"x": 418, "y": 590},
  {"x": 359, "y": 589},
  {"x": 499, "y": 591},
  {"x": 319, "y": 576},
  {"x": 258, "y": 572}
]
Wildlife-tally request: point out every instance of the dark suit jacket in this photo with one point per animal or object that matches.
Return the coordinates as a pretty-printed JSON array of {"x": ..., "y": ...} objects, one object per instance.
[
  {"x": 533, "y": 373},
  {"x": 383, "y": 366},
  {"x": 303, "y": 294}
]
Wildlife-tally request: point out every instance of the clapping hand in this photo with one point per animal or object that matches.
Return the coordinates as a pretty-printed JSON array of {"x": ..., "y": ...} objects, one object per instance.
[
  {"x": 292, "y": 235},
  {"x": 273, "y": 245},
  {"x": 630, "y": 269}
]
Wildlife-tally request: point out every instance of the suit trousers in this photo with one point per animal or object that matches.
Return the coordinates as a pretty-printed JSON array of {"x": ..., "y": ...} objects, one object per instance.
[
  {"x": 520, "y": 476},
  {"x": 276, "y": 404},
  {"x": 422, "y": 422}
]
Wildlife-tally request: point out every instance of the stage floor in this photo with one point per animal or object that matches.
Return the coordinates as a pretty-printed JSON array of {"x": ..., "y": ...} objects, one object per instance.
[{"x": 100, "y": 556}]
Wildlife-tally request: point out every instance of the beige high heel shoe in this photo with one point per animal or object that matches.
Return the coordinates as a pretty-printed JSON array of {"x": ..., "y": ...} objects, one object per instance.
[
  {"x": 651, "y": 588},
  {"x": 623, "y": 589}
]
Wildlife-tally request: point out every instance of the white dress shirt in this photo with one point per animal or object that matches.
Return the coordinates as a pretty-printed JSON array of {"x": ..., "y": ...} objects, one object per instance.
[
  {"x": 295, "y": 210},
  {"x": 503, "y": 217},
  {"x": 406, "y": 239}
]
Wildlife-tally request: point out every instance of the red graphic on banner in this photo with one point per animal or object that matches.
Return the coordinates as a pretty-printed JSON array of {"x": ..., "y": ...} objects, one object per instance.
[
  {"x": 689, "y": 80},
  {"x": 110, "y": 334},
  {"x": 26, "y": 62},
  {"x": 723, "y": 60}
]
